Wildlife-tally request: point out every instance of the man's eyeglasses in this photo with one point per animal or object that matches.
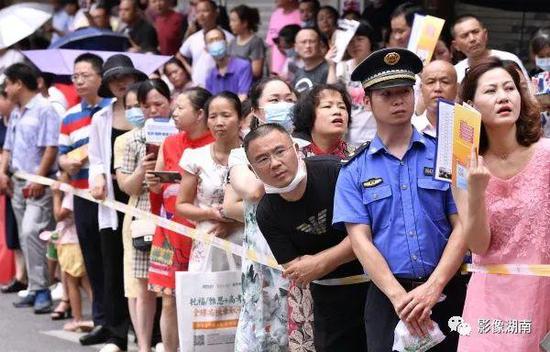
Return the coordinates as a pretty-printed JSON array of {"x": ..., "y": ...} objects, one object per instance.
[
  {"x": 83, "y": 76},
  {"x": 265, "y": 160}
]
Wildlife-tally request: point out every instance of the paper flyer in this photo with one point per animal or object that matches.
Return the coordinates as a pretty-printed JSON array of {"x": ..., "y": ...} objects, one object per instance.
[
  {"x": 342, "y": 37},
  {"x": 157, "y": 129},
  {"x": 424, "y": 35},
  {"x": 458, "y": 131}
]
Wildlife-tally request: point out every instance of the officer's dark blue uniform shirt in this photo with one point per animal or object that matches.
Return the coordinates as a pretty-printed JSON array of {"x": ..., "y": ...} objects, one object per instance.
[{"x": 405, "y": 207}]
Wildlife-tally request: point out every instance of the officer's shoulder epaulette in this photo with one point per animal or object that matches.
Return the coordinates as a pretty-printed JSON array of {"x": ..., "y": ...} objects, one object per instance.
[{"x": 355, "y": 153}]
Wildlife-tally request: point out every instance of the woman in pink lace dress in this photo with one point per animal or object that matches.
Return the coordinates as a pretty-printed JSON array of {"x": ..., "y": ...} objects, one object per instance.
[{"x": 506, "y": 214}]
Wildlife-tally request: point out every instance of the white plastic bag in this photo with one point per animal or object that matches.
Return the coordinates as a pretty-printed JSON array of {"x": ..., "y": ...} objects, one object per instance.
[
  {"x": 208, "y": 308},
  {"x": 404, "y": 341}
]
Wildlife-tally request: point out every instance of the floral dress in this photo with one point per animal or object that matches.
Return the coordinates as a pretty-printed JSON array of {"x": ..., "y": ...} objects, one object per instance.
[
  {"x": 210, "y": 191},
  {"x": 263, "y": 323}
]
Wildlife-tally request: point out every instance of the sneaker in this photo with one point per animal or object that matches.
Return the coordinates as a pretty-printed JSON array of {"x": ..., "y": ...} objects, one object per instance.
[
  {"x": 43, "y": 302},
  {"x": 22, "y": 293},
  {"x": 13, "y": 287},
  {"x": 110, "y": 347},
  {"x": 159, "y": 347},
  {"x": 27, "y": 301}
]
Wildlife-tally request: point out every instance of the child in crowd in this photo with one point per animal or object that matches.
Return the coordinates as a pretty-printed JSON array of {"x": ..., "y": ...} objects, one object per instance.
[{"x": 69, "y": 255}]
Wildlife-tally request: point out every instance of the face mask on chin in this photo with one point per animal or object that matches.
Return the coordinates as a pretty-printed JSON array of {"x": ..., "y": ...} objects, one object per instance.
[{"x": 301, "y": 173}]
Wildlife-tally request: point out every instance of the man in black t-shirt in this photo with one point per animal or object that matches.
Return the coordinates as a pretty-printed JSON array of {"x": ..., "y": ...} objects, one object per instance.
[{"x": 295, "y": 217}]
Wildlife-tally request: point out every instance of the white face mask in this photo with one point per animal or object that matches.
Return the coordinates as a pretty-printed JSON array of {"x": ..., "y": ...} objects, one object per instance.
[
  {"x": 300, "y": 175},
  {"x": 543, "y": 63}
]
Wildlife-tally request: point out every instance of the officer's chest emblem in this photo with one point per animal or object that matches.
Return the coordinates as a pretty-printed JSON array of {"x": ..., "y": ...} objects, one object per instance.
[{"x": 372, "y": 182}]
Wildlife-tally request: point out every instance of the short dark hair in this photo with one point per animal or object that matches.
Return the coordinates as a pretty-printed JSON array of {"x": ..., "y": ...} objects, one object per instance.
[
  {"x": 316, "y": 5},
  {"x": 216, "y": 29},
  {"x": 365, "y": 30},
  {"x": 230, "y": 96},
  {"x": 211, "y": 3},
  {"x": 94, "y": 60},
  {"x": 24, "y": 73},
  {"x": 288, "y": 33},
  {"x": 332, "y": 11},
  {"x": 250, "y": 15},
  {"x": 540, "y": 40},
  {"x": 304, "y": 110},
  {"x": 463, "y": 18},
  {"x": 152, "y": 84},
  {"x": 261, "y": 131},
  {"x": 408, "y": 10},
  {"x": 529, "y": 128},
  {"x": 314, "y": 29},
  {"x": 135, "y": 4},
  {"x": 132, "y": 88}
]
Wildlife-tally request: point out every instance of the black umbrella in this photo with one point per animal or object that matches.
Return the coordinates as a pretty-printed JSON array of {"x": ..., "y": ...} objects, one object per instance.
[{"x": 91, "y": 38}]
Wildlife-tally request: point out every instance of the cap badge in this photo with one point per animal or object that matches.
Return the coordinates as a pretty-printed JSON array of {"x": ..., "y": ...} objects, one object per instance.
[{"x": 392, "y": 58}]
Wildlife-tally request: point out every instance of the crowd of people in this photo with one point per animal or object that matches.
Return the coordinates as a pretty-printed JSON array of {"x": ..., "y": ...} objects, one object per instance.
[{"x": 326, "y": 166}]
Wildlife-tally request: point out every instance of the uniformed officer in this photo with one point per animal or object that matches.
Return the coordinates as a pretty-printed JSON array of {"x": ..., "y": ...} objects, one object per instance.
[{"x": 403, "y": 223}]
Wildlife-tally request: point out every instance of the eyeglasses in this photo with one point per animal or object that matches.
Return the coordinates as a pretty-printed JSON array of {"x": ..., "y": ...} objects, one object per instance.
[
  {"x": 265, "y": 160},
  {"x": 81, "y": 76}
]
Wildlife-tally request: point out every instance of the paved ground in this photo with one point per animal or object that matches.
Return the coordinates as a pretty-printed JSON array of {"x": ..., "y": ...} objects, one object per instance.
[{"x": 23, "y": 331}]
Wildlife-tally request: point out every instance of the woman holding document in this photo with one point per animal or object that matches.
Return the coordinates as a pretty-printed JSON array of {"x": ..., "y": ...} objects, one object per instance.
[{"x": 506, "y": 214}]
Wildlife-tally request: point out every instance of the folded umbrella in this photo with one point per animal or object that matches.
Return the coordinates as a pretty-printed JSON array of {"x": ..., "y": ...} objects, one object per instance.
[
  {"x": 21, "y": 20},
  {"x": 91, "y": 38},
  {"x": 60, "y": 62}
]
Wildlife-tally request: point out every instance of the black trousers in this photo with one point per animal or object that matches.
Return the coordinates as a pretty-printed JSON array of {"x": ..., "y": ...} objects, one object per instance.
[
  {"x": 338, "y": 318},
  {"x": 87, "y": 229},
  {"x": 381, "y": 319},
  {"x": 117, "y": 317}
]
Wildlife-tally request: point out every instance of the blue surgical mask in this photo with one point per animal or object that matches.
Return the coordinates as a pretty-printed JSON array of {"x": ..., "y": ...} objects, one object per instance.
[
  {"x": 135, "y": 116},
  {"x": 217, "y": 49},
  {"x": 290, "y": 53},
  {"x": 280, "y": 113},
  {"x": 543, "y": 63}
]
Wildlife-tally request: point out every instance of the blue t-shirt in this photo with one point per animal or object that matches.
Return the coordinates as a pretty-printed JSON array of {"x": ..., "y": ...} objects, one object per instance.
[
  {"x": 237, "y": 79},
  {"x": 405, "y": 207}
]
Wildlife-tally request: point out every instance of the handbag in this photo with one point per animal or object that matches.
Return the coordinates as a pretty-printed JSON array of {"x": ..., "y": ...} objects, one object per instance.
[{"x": 142, "y": 231}]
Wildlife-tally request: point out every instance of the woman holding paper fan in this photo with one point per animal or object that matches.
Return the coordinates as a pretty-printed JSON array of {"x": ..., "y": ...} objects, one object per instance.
[
  {"x": 201, "y": 191},
  {"x": 506, "y": 214},
  {"x": 154, "y": 98},
  {"x": 170, "y": 250},
  {"x": 363, "y": 125}
]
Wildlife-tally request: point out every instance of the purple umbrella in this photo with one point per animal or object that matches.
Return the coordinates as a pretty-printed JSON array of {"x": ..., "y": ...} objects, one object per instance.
[{"x": 61, "y": 61}]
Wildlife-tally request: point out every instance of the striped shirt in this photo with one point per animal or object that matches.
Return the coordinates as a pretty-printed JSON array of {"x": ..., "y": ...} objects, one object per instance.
[{"x": 75, "y": 132}]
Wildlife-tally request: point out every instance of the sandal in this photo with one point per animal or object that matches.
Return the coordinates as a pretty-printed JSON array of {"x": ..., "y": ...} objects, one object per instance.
[
  {"x": 61, "y": 314},
  {"x": 79, "y": 326}
]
